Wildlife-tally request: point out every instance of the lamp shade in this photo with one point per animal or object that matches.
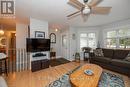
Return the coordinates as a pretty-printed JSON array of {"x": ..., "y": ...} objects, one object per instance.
[{"x": 1, "y": 32}]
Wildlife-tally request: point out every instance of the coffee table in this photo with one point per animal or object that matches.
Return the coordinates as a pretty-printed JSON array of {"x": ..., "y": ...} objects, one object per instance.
[{"x": 80, "y": 79}]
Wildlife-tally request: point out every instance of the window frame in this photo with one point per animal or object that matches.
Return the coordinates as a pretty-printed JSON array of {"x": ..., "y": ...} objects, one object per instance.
[
  {"x": 87, "y": 38},
  {"x": 117, "y": 37}
]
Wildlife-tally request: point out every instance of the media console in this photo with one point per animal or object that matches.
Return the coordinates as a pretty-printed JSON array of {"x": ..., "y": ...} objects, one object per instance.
[
  {"x": 39, "y": 60},
  {"x": 39, "y": 64}
]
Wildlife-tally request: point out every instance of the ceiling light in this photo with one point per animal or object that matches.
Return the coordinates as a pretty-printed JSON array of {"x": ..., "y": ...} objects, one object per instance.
[
  {"x": 86, "y": 10},
  {"x": 1, "y": 32},
  {"x": 56, "y": 29}
]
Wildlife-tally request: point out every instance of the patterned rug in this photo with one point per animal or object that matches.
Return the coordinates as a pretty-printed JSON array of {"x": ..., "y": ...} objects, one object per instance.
[
  {"x": 106, "y": 80},
  {"x": 110, "y": 80}
]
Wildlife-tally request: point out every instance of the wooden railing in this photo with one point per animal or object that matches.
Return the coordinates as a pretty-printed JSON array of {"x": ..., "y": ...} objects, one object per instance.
[
  {"x": 22, "y": 60},
  {"x": 17, "y": 60}
]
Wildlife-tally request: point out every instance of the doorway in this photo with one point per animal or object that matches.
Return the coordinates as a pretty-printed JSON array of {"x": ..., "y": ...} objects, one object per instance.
[{"x": 65, "y": 46}]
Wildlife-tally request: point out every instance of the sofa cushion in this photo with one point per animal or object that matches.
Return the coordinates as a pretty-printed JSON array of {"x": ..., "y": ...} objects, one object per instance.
[
  {"x": 108, "y": 52},
  {"x": 120, "y": 63},
  {"x": 102, "y": 59},
  {"x": 3, "y": 82},
  {"x": 120, "y": 54}
]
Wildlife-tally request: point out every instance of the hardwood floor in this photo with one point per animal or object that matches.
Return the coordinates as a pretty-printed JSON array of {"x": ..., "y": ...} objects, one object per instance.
[{"x": 44, "y": 77}]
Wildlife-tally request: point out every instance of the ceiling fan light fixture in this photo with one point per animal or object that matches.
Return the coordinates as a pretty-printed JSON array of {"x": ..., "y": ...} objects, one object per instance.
[
  {"x": 86, "y": 10},
  {"x": 88, "y": 7}
]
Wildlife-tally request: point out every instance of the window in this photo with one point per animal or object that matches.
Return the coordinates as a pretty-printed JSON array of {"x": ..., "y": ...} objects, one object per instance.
[
  {"x": 118, "y": 38},
  {"x": 111, "y": 39},
  {"x": 87, "y": 40},
  {"x": 111, "y": 43}
]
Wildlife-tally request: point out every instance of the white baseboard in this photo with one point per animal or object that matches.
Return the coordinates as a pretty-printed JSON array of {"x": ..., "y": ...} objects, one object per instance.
[
  {"x": 71, "y": 59},
  {"x": 59, "y": 57}
]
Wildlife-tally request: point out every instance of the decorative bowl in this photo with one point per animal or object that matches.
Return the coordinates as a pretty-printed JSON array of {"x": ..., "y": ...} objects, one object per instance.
[{"x": 88, "y": 72}]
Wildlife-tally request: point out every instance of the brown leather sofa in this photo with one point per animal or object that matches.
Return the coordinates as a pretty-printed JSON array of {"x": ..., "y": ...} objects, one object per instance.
[{"x": 113, "y": 59}]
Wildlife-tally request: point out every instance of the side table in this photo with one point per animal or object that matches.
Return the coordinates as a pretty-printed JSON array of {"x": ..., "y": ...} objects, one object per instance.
[
  {"x": 86, "y": 56},
  {"x": 52, "y": 55}
]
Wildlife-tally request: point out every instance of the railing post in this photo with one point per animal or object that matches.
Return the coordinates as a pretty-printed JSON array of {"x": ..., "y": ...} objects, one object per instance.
[{"x": 18, "y": 60}]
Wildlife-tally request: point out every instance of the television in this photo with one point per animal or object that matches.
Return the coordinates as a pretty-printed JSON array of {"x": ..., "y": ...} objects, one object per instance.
[{"x": 37, "y": 44}]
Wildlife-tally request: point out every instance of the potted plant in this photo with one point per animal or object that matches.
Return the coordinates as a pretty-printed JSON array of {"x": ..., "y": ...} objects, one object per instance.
[{"x": 77, "y": 57}]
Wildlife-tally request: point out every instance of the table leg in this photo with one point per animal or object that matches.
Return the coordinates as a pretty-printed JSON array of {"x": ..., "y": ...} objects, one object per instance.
[{"x": 5, "y": 66}]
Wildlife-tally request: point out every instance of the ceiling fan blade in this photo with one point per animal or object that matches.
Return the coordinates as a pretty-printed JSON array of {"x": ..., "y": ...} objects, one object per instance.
[
  {"x": 74, "y": 5},
  {"x": 94, "y": 2},
  {"x": 73, "y": 13},
  {"x": 78, "y": 3},
  {"x": 71, "y": 17},
  {"x": 100, "y": 10}
]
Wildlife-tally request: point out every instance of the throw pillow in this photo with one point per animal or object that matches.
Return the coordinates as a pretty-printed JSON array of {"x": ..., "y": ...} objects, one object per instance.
[
  {"x": 98, "y": 52},
  {"x": 128, "y": 57}
]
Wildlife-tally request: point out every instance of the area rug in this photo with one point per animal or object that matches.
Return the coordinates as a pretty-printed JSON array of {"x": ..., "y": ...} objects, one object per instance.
[
  {"x": 111, "y": 80},
  {"x": 106, "y": 80},
  {"x": 59, "y": 61}
]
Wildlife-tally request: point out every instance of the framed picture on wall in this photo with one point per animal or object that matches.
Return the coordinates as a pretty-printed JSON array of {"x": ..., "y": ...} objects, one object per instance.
[
  {"x": 53, "y": 38},
  {"x": 39, "y": 34}
]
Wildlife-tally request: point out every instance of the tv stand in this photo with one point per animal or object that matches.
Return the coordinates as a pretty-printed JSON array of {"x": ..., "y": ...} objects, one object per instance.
[
  {"x": 39, "y": 65},
  {"x": 39, "y": 60}
]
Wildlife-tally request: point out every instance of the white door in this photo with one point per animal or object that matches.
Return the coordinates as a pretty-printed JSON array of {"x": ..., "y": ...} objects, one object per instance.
[{"x": 65, "y": 48}]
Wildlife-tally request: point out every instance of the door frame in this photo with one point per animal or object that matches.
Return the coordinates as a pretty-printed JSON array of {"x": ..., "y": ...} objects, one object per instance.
[{"x": 67, "y": 45}]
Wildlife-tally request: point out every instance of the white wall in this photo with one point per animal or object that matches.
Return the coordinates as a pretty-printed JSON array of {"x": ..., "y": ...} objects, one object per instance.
[
  {"x": 87, "y": 30},
  {"x": 83, "y": 30},
  {"x": 56, "y": 46},
  {"x": 65, "y": 49},
  {"x": 21, "y": 35},
  {"x": 73, "y": 42},
  {"x": 38, "y": 25}
]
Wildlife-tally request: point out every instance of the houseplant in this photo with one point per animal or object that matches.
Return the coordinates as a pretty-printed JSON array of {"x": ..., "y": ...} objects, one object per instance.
[{"x": 77, "y": 57}]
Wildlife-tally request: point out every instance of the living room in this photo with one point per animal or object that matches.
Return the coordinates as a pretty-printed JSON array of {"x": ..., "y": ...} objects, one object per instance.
[{"x": 65, "y": 29}]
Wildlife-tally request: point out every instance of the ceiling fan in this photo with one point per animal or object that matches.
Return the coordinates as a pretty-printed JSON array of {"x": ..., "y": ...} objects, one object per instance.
[{"x": 87, "y": 8}]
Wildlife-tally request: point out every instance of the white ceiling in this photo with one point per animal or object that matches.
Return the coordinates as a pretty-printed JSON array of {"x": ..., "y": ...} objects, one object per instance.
[{"x": 55, "y": 12}]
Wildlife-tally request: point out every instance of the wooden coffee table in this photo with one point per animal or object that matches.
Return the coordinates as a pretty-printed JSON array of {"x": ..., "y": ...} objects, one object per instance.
[{"x": 80, "y": 79}]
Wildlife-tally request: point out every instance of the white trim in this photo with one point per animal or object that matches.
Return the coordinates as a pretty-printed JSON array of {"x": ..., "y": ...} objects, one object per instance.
[
  {"x": 117, "y": 34},
  {"x": 87, "y": 32},
  {"x": 59, "y": 57}
]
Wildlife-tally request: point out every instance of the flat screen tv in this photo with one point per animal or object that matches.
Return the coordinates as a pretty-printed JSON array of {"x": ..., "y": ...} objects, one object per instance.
[{"x": 38, "y": 44}]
